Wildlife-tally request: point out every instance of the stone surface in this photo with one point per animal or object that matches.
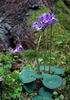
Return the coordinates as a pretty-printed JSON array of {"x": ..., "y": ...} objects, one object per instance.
[
  {"x": 14, "y": 16},
  {"x": 14, "y": 28}
]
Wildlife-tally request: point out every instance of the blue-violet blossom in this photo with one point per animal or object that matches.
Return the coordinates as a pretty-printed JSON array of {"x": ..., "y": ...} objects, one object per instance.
[
  {"x": 45, "y": 19},
  {"x": 18, "y": 50},
  {"x": 37, "y": 26}
]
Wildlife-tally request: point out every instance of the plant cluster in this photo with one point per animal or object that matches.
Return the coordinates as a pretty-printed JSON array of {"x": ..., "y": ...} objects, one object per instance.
[{"x": 49, "y": 81}]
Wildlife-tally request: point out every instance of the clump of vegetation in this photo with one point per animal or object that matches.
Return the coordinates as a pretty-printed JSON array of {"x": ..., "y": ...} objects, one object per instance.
[{"x": 21, "y": 79}]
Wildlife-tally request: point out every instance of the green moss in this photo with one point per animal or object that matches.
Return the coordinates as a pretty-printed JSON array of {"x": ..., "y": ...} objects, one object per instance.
[
  {"x": 63, "y": 14},
  {"x": 67, "y": 2},
  {"x": 34, "y": 16},
  {"x": 30, "y": 54}
]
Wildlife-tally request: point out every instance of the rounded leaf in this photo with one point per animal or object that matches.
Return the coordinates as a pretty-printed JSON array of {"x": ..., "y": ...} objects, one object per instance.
[
  {"x": 37, "y": 98},
  {"x": 39, "y": 76},
  {"x": 52, "y": 81},
  {"x": 47, "y": 68},
  {"x": 47, "y": 98},
  {"x": 29, "y": 87},
  {"x": 28, "y": 76},
  {"x": 43, "y": 92},
  {"x": 42, "y": 98},
  {"x": 59, "y": 71},
  {"x": 53, "y": 69}
]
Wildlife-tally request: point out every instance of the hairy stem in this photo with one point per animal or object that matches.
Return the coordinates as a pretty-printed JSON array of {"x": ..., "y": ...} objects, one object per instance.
[
  {"x": 37, "y": 52},
  {"x": 50, "y": 49},
  {"x": 44, "y": 54}
]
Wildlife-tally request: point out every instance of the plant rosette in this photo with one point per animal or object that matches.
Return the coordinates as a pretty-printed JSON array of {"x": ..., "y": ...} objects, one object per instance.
[
  {"x": 28, "y": 76},
  {"x": 52, "y": 81}
]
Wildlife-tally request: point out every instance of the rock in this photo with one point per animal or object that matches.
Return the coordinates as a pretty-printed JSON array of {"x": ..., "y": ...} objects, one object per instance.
[
  {"x": 14, "y": 27},
  {"x": 6, "y": 25},
  {"x": 1, "y": 19}
]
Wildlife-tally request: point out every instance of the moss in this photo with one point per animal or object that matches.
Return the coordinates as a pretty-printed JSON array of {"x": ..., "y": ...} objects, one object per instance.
[
  {"x": 30, "y": 54},
  {"x": 34, "y": 16},
  {"x": 67, "y": 2},
  {"x": 63, "y": 14}
]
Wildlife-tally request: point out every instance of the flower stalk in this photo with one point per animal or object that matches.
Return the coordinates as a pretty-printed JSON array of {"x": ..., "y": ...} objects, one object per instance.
[
  {"x": 50, "y": 49},
  {"x": 46, "y": 19},
  {"x": 37, "y": 52}
]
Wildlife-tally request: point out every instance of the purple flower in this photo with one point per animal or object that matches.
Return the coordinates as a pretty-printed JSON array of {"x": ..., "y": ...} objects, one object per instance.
[
  {"x": 53, "y": 19},
  {"x": 46, "y": 19},
  {"x": 18, "y": 50},
  {"x": 43, "y": 29},
  {"x": 37, "y": 26}
]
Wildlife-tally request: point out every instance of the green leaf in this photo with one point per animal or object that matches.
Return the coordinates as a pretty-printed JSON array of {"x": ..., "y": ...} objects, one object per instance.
[
  {"x": 14, "y": 96},
  {"x": 60, "y": 42},
  {"x": 44, "y": 92},
  {"x": 47, "y": 68},
  {"x": 59, "y": 71},
  {"x": 1, "y": 65},
  {"x": 47, "y": 98},
  {"x": 26, "y": 68},
  {"x": 29, "y": 87},
  {"x": 61, "y": 97},
  {"x": 15, "y": 75},
  {"x": 52, "y": 58},
  {"x": 37, "y": 98},
  {"x": 8, "y": 66},
  {"x": 39, "y": 76},
  {"x": 18, "y": 94},
  {"x": 55, "y": 93},
  {"x": 52, "y": 81},
  {"x": 16, "y": 57},
  {"x": 42, "y": 98},
  {"x": 1, "y": 69},
  {"x": 57, "y": 98},
  {"x": 53, "y": 69},
  {"x": 40, "y": 59},
  {"x": 28, "y": 76}
]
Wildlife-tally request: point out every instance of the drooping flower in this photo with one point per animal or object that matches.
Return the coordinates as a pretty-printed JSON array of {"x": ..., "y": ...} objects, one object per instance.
[
  {"x": 53, "y": 19},
  {"x": 37, "y": 26},
  {"x": 44, "y": 18},
  {"x": 47, "y": 18},
  {"x": 18, "y": 50}
]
